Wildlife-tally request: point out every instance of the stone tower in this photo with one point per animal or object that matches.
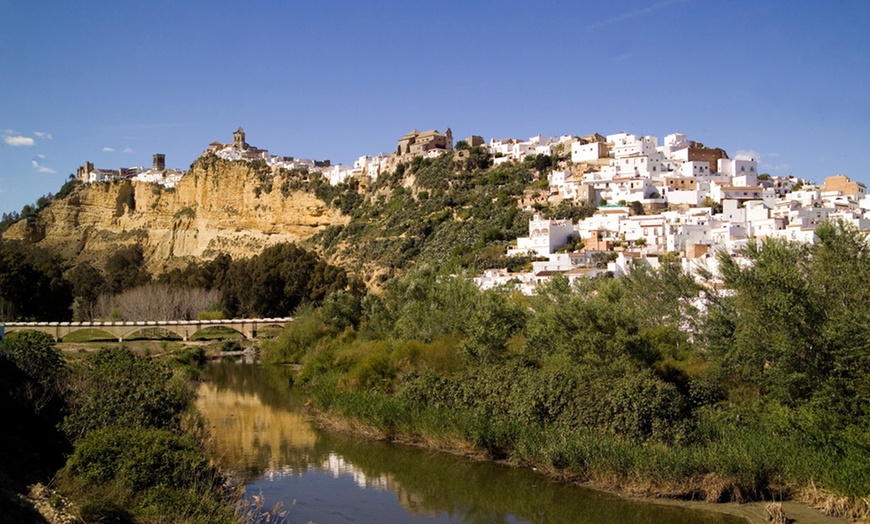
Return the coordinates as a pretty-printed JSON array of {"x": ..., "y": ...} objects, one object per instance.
[
  {"x": 159, "y": 162},
  {"x": 239, "y": 139},
  {"x": 449, "y": 136}
]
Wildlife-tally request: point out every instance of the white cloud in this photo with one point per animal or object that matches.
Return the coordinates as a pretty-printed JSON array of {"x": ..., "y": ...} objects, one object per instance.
[
  {"x": 18, "y": 140},
  {"x": 42, "y": 134},
  {"x": 107, "y": 149},
  {"x": 128, "y": 149},
  {"x": 750, "y": 154},
  {"x": 41, "y": 156},
  {"x": 637, "y": 12},
  {"x": 747, "y": 154},
  {"x": 41, "y": 168}
]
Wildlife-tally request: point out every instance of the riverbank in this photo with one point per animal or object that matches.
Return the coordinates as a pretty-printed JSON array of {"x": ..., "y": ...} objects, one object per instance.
[
  {"x": 263, "y": 431},
  {"x": 819, "y": 510}
]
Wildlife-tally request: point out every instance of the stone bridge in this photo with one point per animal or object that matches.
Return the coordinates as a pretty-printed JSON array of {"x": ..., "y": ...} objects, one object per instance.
[{"x": 183, "y": 328}]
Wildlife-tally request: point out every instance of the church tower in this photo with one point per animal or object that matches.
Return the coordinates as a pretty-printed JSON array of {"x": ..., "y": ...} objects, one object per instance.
[
  {"x": 239, "y": 139},
  {"x": 158, "y": 162}
]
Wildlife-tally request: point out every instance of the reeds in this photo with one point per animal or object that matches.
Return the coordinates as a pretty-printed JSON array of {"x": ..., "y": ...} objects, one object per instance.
[{"x": 740, "y": 464}]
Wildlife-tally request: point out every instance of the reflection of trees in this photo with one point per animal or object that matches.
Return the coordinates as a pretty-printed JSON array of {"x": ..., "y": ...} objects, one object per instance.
[
  {"x": 253, "y": 424},
  {"x": 429, "y": 482},
  {"x": 258, "y": 421},
  {"x": 268, "y": 383}
]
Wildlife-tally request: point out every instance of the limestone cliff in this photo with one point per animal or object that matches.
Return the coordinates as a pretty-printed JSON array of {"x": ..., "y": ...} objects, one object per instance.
[{"x": 219, "y": 206}]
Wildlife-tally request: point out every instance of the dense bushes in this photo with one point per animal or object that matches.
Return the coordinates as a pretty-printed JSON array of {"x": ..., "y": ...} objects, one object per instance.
[
  {"x": 134, "y": 455},
  {"x": 758, "y": 391},
  {"x": 140, "y": 459},
  {"x": 132, "y": 446},
  {"x": 34, "y": 354},
  {"x": 116, "y": 388}
]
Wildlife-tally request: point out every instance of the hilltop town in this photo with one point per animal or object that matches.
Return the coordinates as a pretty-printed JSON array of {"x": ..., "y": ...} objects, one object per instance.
[{"x": 650, "y": 199}]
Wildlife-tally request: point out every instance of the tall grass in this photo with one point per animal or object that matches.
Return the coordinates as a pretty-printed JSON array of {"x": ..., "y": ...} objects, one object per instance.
[{"x": 742, "y": 464}]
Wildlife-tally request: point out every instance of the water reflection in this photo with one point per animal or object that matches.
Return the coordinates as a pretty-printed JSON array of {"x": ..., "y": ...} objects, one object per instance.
[{"x": 259, "y": 430}]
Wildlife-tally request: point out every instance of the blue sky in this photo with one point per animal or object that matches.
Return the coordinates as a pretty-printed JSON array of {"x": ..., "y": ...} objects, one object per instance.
[{"x": 115, "y": 82}]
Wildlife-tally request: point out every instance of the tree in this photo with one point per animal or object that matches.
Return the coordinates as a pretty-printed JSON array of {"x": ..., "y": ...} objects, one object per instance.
[
  {"x": 774, "y": 319},
  {"x": 540, "y": 163},
  {"x": 277, "y": 281},
  {"x": 35, "y": 354},
  {"x": 157, "y": 302},
  {"x": 125, "y": 268},
  {"x": 32, "y": 284},
  {"x": 493, "y": 320},
  {"x": 87, "y": 285},
  {"x": 709, "y": 202}
]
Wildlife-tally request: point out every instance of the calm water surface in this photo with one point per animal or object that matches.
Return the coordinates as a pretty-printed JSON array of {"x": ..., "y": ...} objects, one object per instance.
[{"x": 259, "y": 430}]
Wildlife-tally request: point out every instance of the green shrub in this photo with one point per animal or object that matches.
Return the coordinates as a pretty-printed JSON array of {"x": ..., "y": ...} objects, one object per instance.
[
  {"x": 641, "y": 406},
  {"x": 295, "y": 340},
  {"x": 231, "y": 345},
  {"x": 211, "y": 315},
  {"x": 117, "y": 388},
  {"x": 192, "y": 356},
  {"x": 140, "y": 458},
  {"x": 34, "y": 353}
]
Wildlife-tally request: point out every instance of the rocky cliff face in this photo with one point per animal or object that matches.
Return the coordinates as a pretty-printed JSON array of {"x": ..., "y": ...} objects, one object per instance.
[{"x": 218, "y": 207}]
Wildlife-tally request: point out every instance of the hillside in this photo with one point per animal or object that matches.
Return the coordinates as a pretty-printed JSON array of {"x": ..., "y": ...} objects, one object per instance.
[
  {"x": 218, "y": 207},
  {"x": 454, "y": 211}
]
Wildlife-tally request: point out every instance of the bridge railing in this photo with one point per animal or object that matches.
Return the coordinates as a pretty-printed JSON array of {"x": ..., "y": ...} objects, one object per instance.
[
  {"x": 146, "y": 323},
  {"x": 183, "y": 328}
]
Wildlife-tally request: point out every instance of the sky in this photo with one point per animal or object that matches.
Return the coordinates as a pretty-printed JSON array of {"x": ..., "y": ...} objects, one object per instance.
[{"x": 112, "y": 83}]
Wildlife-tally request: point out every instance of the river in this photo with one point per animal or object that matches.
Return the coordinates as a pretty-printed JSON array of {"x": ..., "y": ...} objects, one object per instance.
[{"x": 259, "y": 430}]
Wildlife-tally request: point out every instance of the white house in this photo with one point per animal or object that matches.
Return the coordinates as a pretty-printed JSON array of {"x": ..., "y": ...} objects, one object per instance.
[
  {"x": 672, "y": 143},
  {"x": 743, "y": 172},
  {"x": 545, "y": 237},
  {"x": 337, "y": 174},
  {"x": 624, "y": 144},
  {"x": 588, "y": 152}
]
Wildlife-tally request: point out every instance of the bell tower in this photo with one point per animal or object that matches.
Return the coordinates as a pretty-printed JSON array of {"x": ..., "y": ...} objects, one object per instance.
[
  {"x": 158, "y": 162},
  {"x": 239, "y": 139}
]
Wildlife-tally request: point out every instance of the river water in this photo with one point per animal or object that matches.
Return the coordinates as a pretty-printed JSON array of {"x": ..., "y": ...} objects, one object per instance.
[{"x": 260, "y": 431}]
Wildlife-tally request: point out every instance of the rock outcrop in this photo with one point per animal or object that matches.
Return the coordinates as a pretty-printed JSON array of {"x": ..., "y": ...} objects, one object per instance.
[{"x": 219, "y": 206}]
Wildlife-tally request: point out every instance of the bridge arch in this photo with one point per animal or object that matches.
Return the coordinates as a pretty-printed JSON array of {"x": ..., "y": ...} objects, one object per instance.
[
  {"x": 99, "y": 330},
  {"x": 25, "y": 329}
]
